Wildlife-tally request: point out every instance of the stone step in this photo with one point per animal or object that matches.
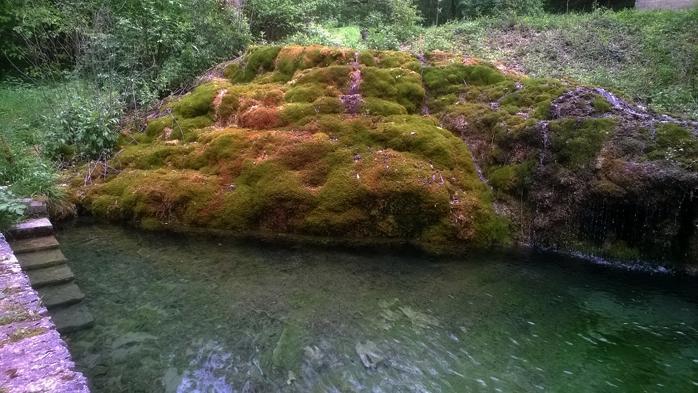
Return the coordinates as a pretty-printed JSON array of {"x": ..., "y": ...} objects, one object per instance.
[
  {"x": 31, "y": 245},
  {"x": 50, "y": 276},
  {"x": 60, "y": 295},
  {"x": 35, "y": 227},
  {"x": 72, "y": 318},
  {"x": 41, "y": 259},
  {"x": 35, "y": 208}
]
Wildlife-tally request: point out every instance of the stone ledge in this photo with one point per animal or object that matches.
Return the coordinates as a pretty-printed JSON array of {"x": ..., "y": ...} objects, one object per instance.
[{"x": 33, "y": 357}]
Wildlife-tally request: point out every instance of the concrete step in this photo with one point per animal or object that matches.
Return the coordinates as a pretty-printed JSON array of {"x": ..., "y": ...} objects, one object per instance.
[
  {"x": 60, "y": 295},
  {"x": 72, "y": 318},
  {"x": 31, "y": 245},
  {"x": 50, "y": 276},
  {"x": 41, "y": 259},
  {"x": 35, "y": 227}
]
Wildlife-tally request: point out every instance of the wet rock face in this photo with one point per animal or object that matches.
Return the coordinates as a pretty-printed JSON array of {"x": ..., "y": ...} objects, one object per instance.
[
  {"x": 596, "y": 174},
  {"x": 272, "y": 146}
]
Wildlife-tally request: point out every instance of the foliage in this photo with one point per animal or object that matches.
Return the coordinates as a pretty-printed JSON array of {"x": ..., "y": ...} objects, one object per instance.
[
  {"x": 394, "y": 22},
  {"x": 276, "y": 19},
  {"x": 22, "y": 166},
  {"x": 475, "y": 8},
  {"x": 140, "y": 48},
  {"x": 11, "y": 208},
  {"x": 85, "y": 127},
  {"x": 29, "y": 29}
]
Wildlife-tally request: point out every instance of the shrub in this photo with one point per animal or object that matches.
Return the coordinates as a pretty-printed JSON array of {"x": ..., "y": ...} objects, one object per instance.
[
  {"x": 11, "y": 208},
  {"x": 85, "y": 127},
  {"x": 276, "y": 19}
]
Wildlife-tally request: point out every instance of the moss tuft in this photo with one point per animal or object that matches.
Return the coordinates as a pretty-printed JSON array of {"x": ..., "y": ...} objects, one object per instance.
[
  {"x": 453, "y": 78},
  {"x": 673, "y": 142},
  {"x": 305, "y": 93},
  {"x": 576, "y": 143},
  {"x": 257, "y": 60},
  {"x": 378, "y": 107}
]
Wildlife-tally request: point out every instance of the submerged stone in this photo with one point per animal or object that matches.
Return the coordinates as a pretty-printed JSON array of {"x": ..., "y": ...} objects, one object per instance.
[{"x": 369, "y": 354}]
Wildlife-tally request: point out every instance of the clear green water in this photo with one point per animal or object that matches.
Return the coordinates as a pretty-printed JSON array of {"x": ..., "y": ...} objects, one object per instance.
[{"x": 193, "y": 314}]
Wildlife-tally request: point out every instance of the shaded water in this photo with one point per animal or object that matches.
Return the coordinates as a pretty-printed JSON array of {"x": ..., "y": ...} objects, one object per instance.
[{"x": 192, "y": 314}]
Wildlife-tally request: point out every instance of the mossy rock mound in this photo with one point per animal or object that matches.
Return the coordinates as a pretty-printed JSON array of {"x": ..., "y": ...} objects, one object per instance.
[{"x": 436, "y": 150}]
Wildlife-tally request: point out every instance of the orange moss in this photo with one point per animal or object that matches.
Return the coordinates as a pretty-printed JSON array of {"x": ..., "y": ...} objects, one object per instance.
[{"x": 260, "y": 118}]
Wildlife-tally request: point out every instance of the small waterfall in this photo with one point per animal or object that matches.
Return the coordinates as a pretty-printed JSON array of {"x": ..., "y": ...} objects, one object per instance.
[
  {"x": 352, "y": 101},
  {"x": 422, "y": 64},
  {"x": 478, "y": 169},
  {"x": 543, "y": 128}
]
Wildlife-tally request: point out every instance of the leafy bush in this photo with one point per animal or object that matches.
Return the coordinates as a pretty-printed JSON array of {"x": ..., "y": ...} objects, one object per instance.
[
  {"x": 85, "y": 127},
  {"x": 33, "y": 32},
  {"x": 315, "y": 34},
  {"x": 11, "y": 208},
  {"x": 276, "y": 19},
  {"x": 474, "y": 8}
]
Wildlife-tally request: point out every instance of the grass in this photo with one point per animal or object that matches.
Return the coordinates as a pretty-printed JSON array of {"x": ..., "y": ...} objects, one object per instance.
[
  {"x": 27, "y": 115},
  {"x": 22, "y": 166}
]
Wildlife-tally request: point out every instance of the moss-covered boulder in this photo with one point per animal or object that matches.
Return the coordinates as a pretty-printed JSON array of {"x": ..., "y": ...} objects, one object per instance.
[{"x": 372, "y": 146}]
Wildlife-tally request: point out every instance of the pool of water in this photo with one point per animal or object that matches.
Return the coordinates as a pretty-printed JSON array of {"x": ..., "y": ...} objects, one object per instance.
[{"x": 194, "y": 314}]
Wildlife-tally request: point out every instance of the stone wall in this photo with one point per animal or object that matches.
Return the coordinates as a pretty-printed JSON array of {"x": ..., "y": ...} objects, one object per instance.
[
  {"x": 667, "y": 4},
  {"x": 33, "y": 357}
]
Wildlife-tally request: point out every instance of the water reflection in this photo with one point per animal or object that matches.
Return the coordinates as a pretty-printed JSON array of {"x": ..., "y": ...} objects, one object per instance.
[{"x": 181, "y": 314}]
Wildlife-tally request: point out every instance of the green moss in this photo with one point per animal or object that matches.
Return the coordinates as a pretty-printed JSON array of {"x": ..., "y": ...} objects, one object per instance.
[
  {"x": 600, "y": 104},
  {"x": 388, "y": 175},
  {"x": 155, "y": 127},
  {"x": 177, "y": 128},
  {"x": 149, "y": 156},
  {"x": 401, "y": 86},
  {"x": 576, "y": 143},
  {"x": 422, "y": 136},
  {"x": 619, "y": 250},
  {"x": 197, "y": 103},
  {"x": 328, "y": 105},
  {"x": 513, "y": 177},
  {"x": 368, "y": 58},
  {"x": 293, "y": 113},
  {"x": 378, "y": 107},
  {"x": 536, "y": 94},
  {"x": 294, "y": 58},
  {"x": 452, "y": 78},
  {"x": 267, "y": 197},
  {"x": 256, "y": 61},
  {"x": 673, "y": 142},
  {"x": 337, "y": 75},
  {"x": 305, "y": 93}
]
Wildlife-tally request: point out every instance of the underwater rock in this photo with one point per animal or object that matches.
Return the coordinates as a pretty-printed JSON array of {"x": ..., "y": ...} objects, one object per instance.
[
  {"x": 328, "y": 143},
  {"x": 369, "y": 354}
]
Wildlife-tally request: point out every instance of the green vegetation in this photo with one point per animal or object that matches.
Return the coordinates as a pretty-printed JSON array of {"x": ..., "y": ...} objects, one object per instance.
[
  {"x": 341, "y": 138},
  {"x": 576, "y": 143},
  {"x": 649, "y": 56},
  {"x": 304, "y": 167},
  {"x": 673, "y": 142}
]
